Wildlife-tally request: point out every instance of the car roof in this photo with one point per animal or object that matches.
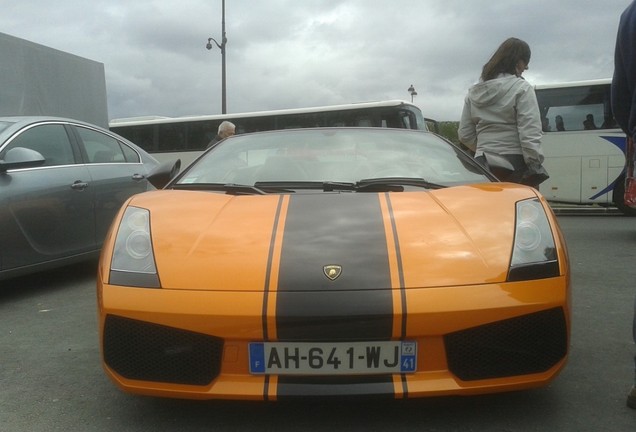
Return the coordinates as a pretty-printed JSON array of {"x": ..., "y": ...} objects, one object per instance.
[
  {"x": 22, "y": 120},
  {"x": 19, "y": 122}
]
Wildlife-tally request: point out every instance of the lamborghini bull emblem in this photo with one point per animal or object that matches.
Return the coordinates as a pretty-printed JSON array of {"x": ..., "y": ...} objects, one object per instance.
[{"x": 332, "y": 271}]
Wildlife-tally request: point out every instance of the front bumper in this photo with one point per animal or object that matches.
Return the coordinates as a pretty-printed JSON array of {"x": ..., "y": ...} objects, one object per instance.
[{"x": 471, "y": 340}]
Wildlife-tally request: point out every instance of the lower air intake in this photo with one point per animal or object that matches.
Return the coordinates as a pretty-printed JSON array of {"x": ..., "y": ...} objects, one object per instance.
[
  {"x": 518, "y": 346},
  {"x": 151, "y": 352}
]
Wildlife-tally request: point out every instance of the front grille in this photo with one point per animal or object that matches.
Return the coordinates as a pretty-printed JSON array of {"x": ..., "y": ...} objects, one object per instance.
[
  {"x": 151, "y": 352},
  {"x": 522, "y": 345}
]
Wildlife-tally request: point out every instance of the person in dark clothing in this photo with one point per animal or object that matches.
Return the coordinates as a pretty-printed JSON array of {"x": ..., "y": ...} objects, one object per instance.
[
  {"x": 225, "y": 130},
  {"x": 588, "y": 123},
  {"x": 623, "y": 101}
]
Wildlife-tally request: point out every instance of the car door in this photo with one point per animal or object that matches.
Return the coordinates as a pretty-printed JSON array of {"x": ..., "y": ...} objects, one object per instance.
[
  {"x": 46, "y": 213},
  {"x": 116, "y": 172}
]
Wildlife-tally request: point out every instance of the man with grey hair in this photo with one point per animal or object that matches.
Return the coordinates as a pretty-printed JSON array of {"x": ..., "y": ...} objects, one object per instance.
[{"x": 226, "y": 129}]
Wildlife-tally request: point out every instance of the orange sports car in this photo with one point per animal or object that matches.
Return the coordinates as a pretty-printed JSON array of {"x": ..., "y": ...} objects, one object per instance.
[{"x": 339, "y": 261}]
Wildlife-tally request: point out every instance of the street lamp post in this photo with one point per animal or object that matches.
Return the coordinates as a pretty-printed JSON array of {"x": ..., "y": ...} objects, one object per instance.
[
  {"x": 222, "y": 48},
  {"x": 412, "y": 91}
]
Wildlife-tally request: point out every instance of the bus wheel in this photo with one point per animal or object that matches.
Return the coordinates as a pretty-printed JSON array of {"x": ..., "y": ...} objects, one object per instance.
[{"x": 618, "y": 196}]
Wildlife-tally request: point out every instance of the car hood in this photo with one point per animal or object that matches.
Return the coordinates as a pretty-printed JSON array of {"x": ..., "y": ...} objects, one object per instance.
[{"x": 454, "y": 236}]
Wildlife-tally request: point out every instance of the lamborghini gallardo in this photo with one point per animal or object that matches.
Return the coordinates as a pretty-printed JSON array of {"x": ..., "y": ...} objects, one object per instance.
[{"x": 333, "y": 262}]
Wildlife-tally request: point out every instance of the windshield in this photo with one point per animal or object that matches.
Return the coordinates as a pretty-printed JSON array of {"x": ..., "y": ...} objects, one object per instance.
[{"x": 346, "y": 155}]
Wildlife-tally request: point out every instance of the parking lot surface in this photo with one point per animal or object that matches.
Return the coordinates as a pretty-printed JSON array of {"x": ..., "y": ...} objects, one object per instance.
[{"x": 51, "y": 378}]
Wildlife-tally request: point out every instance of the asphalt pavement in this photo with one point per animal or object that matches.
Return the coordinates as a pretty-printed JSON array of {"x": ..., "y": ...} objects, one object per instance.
[{"x": 51, "y": 378}]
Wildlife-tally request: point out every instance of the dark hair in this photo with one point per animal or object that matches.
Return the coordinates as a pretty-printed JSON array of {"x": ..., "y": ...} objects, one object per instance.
[{"x": 505, "y": 59}]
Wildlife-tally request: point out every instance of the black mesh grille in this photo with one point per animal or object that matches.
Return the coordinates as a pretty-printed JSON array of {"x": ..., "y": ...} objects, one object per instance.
[
  {"x": 150, "y": 352},
  {"x": 523, "y": 345}
]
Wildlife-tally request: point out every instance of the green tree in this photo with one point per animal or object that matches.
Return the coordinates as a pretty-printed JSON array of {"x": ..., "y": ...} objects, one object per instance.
[{"x": 448, "y": 129}]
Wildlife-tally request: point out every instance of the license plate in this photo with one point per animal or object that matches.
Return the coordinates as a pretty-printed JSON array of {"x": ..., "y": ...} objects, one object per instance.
[{"x": 325, "y": 358}]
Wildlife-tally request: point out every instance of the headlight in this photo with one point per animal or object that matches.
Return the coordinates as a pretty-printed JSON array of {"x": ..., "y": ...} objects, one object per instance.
[
  {"x": 133, "y": 261},
  {"x": 534, "y": 253}
]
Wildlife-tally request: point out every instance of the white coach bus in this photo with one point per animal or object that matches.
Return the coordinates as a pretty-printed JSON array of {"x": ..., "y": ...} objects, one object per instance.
[
  {"x": 583, "y": 145},
  {"x": 168, "y": 138}
]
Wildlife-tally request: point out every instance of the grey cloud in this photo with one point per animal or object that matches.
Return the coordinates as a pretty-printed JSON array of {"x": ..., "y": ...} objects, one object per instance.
[{"x": 287, "y": 54}]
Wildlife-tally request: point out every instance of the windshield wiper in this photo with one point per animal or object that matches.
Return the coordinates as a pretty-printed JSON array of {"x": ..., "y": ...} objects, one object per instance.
[
  {"x": 229, "y": 188},
  {"x": 338, "y": 186},
  {"x": 288, "y": 186},
  {"x": 382, "y": 184},
  {"x": 394, "y": 184}
]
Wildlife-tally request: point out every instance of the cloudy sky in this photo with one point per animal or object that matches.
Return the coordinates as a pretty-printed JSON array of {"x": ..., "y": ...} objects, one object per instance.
[{"x": 291, "y": 53}]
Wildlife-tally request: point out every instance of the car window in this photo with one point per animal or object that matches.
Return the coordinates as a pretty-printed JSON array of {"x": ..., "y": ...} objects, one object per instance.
[
  {"x": 50, "y": 140},
  {"x": 102, "y": 148}
]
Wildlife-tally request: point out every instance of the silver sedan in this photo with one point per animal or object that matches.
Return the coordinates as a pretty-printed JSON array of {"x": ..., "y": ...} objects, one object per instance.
[{"x": 61, "y": 183}]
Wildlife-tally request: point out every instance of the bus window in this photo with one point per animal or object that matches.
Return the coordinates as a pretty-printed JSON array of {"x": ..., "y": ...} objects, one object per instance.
[
  {"x": 407, "y": 120},
  {"x": 171, "y": 137},
  {"x": 577, "y": 108},
  {"x": 199, "y": 134},
  {"x": 140, "y": 135},
  {"x": 583, "y": 148},
  {"x": 253, "y": 124}
]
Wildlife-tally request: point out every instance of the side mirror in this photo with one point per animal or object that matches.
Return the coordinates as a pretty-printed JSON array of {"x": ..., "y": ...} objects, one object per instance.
[
  {"x": 21, "y": 157},
  {"x": 161, "y": 175}
]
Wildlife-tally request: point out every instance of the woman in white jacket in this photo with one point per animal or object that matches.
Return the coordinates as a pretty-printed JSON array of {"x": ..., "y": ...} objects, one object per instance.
[{"x": 501, "y": 115}]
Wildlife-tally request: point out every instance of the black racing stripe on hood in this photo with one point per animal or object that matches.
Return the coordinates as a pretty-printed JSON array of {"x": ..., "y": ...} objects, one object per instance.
[
  {"x": 268, "y": 275},
  {"x": 342, "y": 229},
  {"x": 400, "y": 270}
]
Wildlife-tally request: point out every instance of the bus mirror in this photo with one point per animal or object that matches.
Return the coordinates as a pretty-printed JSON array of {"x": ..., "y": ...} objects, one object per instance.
[{"x": 161, "y": 175}]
